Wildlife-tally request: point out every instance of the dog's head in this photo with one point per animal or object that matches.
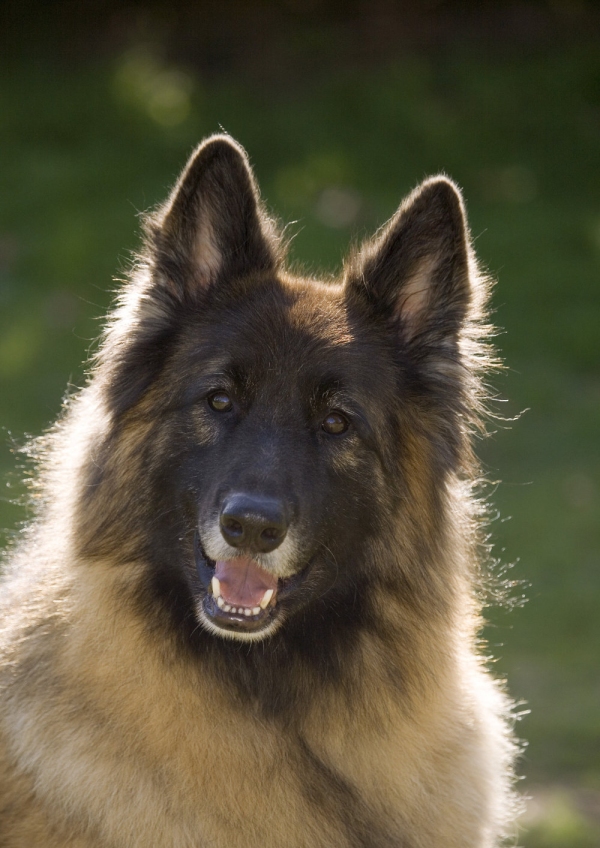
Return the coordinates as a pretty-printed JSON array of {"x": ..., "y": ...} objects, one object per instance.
[{"x": 270, "y": 436}]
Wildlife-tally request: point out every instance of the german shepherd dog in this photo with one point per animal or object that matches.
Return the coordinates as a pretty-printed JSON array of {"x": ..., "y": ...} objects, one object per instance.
[{"x": 246, "y": 613}]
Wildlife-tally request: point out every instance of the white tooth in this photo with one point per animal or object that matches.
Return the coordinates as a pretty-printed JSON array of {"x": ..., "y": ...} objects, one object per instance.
[
  {"x": 266, "y": 598},
  {"x": 220, "y": 602},
  {"x": 216, "y": 587},
  {"x": 247, "y": 611},
  {"x": 256, "y": 611},
  {"x": 227, "y": 608}
]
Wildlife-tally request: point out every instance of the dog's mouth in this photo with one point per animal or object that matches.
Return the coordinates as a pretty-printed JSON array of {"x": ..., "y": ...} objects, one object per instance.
[{"x": 240, "y": 596}]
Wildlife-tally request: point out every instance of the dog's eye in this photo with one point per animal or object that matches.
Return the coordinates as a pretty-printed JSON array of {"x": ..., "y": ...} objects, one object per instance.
[
  {"x": 335, "y": 424},
  {"x": 220, "y": 402}
]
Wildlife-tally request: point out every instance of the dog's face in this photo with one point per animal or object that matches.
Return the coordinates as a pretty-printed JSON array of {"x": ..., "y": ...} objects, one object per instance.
[
  {"x": 286, "y": 422},
  {"x": 280, "y": 415}
]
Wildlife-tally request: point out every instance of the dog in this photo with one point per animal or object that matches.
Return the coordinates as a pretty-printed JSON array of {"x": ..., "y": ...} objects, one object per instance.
[{"x": 247, "y": 611}]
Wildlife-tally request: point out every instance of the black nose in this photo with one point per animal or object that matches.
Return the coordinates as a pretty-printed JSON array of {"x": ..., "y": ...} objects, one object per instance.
[{"x": 254, "y": 522}]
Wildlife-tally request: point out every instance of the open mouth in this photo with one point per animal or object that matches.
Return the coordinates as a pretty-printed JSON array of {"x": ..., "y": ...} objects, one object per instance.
[{"x": 241, "y": 596}]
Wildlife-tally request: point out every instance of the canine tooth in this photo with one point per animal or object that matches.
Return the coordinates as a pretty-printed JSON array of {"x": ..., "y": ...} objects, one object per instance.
[
  {"x": 247, "y": 611},
  {"x": 216, "y": 587},
  {"x": 227, "y": 608},
  {"x": 266, "y": 598},
  {"x": 255, "y": 610},
  {"x": 220, "y": 602}
]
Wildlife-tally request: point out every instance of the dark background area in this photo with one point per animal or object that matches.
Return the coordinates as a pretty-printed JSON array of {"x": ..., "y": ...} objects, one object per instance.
[{"x": 343, "y": 108}]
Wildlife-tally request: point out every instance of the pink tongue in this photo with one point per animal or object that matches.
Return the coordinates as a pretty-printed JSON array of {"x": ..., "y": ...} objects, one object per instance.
[{"x": 243, "y": 581}]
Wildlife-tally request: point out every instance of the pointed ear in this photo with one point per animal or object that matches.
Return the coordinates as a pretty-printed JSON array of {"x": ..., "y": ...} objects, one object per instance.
[
  {"x": 212, "y": 225},
  {"x": 416, "y": 271}
]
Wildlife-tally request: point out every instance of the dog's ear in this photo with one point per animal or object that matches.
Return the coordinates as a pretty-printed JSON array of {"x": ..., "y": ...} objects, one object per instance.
[
  {"x": 415, "y": 273},
  {"x": 212, "y": 225}
]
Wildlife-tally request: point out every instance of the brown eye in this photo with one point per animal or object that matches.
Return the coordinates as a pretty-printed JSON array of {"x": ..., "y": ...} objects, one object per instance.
[
  {"x": 220, "y": 402},
  {"x": 335, "y": 424}
]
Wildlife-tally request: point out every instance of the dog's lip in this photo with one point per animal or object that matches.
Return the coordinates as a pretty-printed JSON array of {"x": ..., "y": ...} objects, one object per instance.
[{"x": 236, "y": 618}]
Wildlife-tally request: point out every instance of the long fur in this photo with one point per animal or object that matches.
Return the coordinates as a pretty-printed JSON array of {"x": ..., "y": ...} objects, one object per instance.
[{"x": 367, "y": 717}]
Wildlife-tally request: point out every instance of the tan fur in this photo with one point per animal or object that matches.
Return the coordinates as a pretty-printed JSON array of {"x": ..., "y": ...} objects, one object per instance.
[
  {"x": 416, "y": 292},
  {"x": 165, "y": 760}
]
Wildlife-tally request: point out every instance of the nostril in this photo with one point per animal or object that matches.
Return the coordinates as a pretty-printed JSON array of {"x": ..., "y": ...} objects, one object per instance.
[
  {"x": 232, "y": 527},
  {"x": 270, "y": 534}
]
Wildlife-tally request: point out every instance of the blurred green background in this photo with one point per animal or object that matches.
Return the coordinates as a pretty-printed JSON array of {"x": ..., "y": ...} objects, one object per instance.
[{"x": 343, "y": 107}]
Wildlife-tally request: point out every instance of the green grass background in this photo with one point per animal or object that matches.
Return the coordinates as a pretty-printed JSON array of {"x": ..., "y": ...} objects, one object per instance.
[{"x": 81, "y": 153}]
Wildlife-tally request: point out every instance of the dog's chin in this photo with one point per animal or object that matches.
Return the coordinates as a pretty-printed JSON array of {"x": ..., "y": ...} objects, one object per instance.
[{"x": 249, "y": 619}]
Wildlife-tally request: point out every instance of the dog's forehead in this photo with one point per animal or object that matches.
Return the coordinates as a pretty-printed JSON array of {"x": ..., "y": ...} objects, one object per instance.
[
  {"x": 288, "y": 328},
  {"x": 299, "y": 323},
  {"x": 282, "y": 314}
]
